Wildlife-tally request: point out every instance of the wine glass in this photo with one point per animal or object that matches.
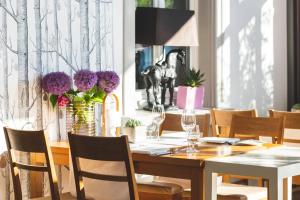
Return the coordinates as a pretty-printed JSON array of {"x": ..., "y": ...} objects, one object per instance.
[
  {"x": 188, "y": 123},
  {"x": 158, "y": 112}
]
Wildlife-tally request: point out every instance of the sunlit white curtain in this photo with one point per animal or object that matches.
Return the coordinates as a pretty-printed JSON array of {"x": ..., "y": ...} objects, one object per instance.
[{"x": 251, "y": 54}]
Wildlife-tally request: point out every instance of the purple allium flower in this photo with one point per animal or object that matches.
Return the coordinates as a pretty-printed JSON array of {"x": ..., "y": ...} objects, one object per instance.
[
  {"x": 108, "y": 80},
  {"x": 85, "y": 80},
  {"x": 56, "y": 83}
]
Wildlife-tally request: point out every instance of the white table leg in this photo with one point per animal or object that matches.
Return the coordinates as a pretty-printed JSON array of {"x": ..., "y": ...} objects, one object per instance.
[
  {"x": 210, "y": 185},
  {"x": 275, "y": 190},
  {"x": 287, "y": 188}
]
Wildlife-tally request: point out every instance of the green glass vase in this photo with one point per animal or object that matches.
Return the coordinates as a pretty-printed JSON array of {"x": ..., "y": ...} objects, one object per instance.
[{"x": 80, "y": 118}]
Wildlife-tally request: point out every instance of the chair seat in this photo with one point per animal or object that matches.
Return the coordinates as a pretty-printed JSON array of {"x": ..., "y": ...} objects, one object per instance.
[
  {"x": 159, "y": 191},
  {"x": 227, "y": 191},
  {"x": 64, "y": 196}
]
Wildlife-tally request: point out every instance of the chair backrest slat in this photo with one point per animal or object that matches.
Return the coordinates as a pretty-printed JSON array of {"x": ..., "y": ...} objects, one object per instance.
[
  {"x": 30, "y": 167},
  {"x": 257, "y": 126},
  {"x": 30, "y": 142},
  {"x": 105, "y": 150},
  {"x": 101, "y": 149},
  {"x": 172, "y": 122},
  {"x": 221, "y": 120},
  {"x": 27, "y": 141}
]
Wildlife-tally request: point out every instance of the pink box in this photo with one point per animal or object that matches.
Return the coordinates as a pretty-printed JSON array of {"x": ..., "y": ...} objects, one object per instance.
[{"x": 189, "y": 97}]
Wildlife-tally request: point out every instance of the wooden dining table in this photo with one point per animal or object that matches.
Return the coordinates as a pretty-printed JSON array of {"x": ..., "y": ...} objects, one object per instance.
[{"x": 180, "y": 164}]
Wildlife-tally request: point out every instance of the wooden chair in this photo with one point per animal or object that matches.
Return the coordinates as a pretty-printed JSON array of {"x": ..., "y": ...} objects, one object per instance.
[
  {"x": 115, "y": 149},
  {"x": 172, "y": 122},
  {"x": 221, "y": 120},
  {"x": 104, "y": 149},
  {"x": 251, "y": 127},
  {"x": 31, "y": 142},
  {"x": 254, "y": 127},
  {"x": 292, "y": 121}
]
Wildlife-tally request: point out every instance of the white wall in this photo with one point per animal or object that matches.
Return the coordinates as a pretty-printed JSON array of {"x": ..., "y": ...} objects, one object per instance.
[
  {"x": 117, "y": 41},
  {"x": 129, "y": 96},
  {"x": 203, "y": 56},
  {"x": 251, "y": 54}
]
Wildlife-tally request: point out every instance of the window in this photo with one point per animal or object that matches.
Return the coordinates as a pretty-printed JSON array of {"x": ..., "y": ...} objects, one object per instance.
[{"x": 144, "y": 55}]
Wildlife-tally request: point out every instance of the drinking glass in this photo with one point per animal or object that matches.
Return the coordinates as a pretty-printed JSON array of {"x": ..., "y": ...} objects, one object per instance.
[
  {"x": 151, "y": 131},
  {"x": 188, "y": 123},
  {"x": 158, "y": 112}
]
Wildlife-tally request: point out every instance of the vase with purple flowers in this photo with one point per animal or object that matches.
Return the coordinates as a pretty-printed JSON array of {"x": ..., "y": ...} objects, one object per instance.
[
  {"x": 90, "y": 89},
  {"x": 80, "y": 118}
]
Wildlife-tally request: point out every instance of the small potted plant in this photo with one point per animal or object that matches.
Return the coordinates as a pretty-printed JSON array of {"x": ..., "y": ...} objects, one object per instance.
[
  {"x": 134, "y": 130},
  {"x": 192, "y": 94},
  {"x": 296, "y": 108}
]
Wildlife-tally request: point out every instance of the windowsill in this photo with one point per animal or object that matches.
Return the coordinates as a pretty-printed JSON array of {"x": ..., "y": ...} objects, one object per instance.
[{"x": 141, "y": 97}]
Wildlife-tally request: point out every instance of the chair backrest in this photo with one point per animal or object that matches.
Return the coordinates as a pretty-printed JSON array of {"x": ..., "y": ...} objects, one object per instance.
[
  {"x": 292, "y": 121},
  {"x": 172, "y": 122},
  {"x": 29, "y": 142},
  {"x": 221, "y": 120},
  {"x": 101, "y": 149},
  {"x": 253, "y": 127}
]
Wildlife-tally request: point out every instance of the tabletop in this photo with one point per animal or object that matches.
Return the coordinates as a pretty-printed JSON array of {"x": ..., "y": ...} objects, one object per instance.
[
  {"x": 204, "y": 152},
  {"x": 277, "y": 165},
  {"x": 273, "y": 157}
]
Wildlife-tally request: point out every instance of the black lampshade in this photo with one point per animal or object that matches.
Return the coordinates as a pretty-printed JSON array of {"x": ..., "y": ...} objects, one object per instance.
[{"x": 160, "y": 26}]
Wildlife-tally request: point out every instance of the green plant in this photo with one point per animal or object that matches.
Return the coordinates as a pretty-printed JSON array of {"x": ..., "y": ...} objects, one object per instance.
[
  {"x": 297, "y": 106},
  {"x": 169, "y": 3},
  {"x": 194, "y": 78},
  {"x": 143, "y": 3},
  {"x": 132, "y": 123}
]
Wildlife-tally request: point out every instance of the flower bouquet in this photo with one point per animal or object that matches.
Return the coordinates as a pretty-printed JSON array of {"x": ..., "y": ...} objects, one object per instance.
[{"x": 91, "y": 88}]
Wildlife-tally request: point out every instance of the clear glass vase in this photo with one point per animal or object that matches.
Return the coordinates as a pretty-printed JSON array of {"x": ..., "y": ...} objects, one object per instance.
[{"x": 80, "y": 118}]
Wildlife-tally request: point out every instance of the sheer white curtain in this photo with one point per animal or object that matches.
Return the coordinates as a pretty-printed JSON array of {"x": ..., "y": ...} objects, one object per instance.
[{"x": 251, "y": 54}]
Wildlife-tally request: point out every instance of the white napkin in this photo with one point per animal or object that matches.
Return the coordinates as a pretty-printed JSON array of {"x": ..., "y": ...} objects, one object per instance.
[
  {"x": 154, "y": 148},
  {"x": 155, "y": 151},
  {"x": 219, "y": 140}
]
